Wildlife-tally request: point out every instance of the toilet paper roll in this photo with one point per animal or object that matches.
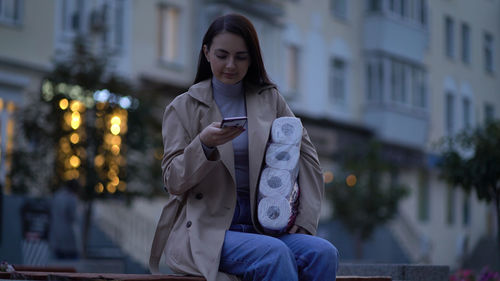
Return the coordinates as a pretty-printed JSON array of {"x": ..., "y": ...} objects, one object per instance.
[
  {"x": 275, "y": 182},
  {"x": 286, "y": 130},
  {"x": 274, "y": 213},
  {"x": 283, "y": 156}
]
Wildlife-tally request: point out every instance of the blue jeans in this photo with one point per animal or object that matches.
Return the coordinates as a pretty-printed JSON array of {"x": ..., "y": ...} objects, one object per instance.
[{"x": 253, "y": 256}]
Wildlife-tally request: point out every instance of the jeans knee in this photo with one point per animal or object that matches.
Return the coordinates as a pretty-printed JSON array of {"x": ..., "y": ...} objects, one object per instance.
[
  {"x": 276, "y": 263},
  {"x": 280, "y": 251},
  {"x": 330, "y": 253}
]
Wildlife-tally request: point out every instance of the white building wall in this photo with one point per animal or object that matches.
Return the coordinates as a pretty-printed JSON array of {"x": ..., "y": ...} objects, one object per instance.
[{"x": 30, "y": 41}]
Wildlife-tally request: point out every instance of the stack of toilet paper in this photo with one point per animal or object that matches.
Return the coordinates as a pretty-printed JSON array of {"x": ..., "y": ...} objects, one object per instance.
[{"x": 278, "y": 188}]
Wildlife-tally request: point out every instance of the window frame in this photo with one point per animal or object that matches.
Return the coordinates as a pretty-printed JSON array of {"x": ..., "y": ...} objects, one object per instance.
[
  {"x": 16, "y": 17},
  {"x": 339, "y": 9},
  {"x": 449, "y": 37},
  {"x": 488, "y": 52},
  {"x": 465, "y": 33},
  {"x": 467, "y": 113},
  {"x": 489, "y": 112},
  {"x": 338, "y": 79},
  {"x": 449, "y": 112},
  {"x": 171, "y": 57}
]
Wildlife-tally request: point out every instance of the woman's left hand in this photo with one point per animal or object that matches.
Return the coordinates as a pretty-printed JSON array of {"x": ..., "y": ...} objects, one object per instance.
[{"x": 297, "y": 229}]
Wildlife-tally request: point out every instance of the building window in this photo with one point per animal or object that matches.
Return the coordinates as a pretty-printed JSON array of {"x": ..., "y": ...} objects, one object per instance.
[
  {"x": 370, "y": 93},
  {"x": 466, "y": 210},
  {"x": 375, "y": 80},
  {"x": 72, "y": 16},
  {"x": 409, "y": 10},
  {"x": 450, "y": 205},
  {"x": 292, "y": 69},
  {"x": 119, "y": 22},
  {"x": 338, "y": 77},
  {"x": 489, "y": 113},
  {"x": 10, "y": 11},
  {"x": 423, "y": 197},
  {"x": 398, "y": 7},
  {"x": 107, "y": 21},
  {"x": 398, "y": 82},
  {"x": 465, "y": 43},
  {"x": 467, "y": 113},
  {"x": 402, "y": 8},
  {"x": 379, "y": 79},
  {"x": 450, "y": 113},
  {"x": 405, "y": 82},
  {"x": 339, "y": 8},
  {"x": 488, "y": 52},
  {"x": 392, "y": 5},
  {"x": 169, "y": 34},
  {"x": 418, "y": 88},
  {"x": 449, "y": 37},
  {"x": 421, "y": 12},
  {"x": 375, "y": 5}
]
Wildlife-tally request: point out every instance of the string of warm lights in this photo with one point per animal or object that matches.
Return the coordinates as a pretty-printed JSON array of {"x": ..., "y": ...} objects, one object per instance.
[
  {"x": 71, "y": 153},
  {"x": 109, "y": 160},
  {"x": 110, "y": 120}
]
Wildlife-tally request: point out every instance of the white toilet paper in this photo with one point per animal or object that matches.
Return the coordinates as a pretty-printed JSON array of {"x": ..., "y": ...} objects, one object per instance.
[
  {"x": 278, "y": 197},
  {"x": 275, "y": 182},
  {"x": 274, "y": 213},
  {"x": 286, "y": 130},
  {"x": 283, "y": 156}
]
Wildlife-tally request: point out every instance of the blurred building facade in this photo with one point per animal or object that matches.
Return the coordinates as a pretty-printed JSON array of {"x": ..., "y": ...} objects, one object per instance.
[{"x": 406, "y": 72}]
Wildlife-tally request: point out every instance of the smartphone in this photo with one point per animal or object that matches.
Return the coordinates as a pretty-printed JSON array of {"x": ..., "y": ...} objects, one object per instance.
[{"x": 234, "y": 121}]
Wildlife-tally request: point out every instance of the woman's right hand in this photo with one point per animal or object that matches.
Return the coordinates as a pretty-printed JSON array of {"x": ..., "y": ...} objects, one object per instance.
[{"x": 213, "y": 135}]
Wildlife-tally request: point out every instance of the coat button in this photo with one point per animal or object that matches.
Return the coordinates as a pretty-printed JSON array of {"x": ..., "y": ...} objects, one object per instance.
[
  {"x": 188, "y": 224},
  {"x": 199, "y": 196}
]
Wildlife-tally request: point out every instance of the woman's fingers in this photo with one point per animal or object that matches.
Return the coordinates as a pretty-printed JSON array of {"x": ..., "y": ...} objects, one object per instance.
[
  {"x": 213, "y": 135},
  {"x": 231, "y": 133}
]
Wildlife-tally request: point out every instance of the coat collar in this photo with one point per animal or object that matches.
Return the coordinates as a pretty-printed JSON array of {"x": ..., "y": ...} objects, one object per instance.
[
  {"x": 202, "y": 91},
  {"x": 259, "y": 125}
]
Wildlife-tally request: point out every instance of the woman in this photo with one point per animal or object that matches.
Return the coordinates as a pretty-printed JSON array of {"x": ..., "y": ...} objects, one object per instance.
[{"x": 209, "y": 225}]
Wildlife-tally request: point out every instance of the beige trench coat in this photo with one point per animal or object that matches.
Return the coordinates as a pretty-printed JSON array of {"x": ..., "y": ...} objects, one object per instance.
[{"x": 192, "y": 225}]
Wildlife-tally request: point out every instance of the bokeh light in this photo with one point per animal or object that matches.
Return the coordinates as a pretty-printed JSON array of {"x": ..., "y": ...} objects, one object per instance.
[{"x": 351, "y": 180}]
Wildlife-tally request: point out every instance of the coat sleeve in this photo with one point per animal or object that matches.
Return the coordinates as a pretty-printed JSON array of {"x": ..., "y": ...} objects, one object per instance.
[
  {"x": 310, "y": 178},
  {"x": 184, "y": 163}
]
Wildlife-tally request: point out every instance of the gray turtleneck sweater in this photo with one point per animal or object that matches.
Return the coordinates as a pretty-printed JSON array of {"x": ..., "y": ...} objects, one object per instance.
[{"x": 231, "y": 102}]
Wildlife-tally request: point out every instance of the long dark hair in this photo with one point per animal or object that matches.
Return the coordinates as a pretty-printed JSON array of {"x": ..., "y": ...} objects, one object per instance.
[{"x": 241, "y": 26}]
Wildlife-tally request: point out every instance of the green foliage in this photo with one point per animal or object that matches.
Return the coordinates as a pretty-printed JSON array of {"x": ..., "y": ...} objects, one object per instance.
[
  {"x": 373, "y": 200},
  {"x": 471, "y": 160},
  {"x": 33, "y": 150}
]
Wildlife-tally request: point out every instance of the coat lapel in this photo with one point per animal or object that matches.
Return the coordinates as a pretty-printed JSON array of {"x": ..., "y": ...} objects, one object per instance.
[
  {"x": 204, "y": 94},
  {"x": 259, "y": 125},
  {"x": 260, "y": 117}
]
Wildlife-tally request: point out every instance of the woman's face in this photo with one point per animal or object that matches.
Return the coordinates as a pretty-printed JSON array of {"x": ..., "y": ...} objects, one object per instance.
[{"x": 228, "y": 57}]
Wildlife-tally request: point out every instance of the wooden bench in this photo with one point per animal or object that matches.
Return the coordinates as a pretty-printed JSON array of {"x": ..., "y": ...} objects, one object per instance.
[
  {"x": 19, "y": 267},
  {"x": 45, "y": 275}
]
